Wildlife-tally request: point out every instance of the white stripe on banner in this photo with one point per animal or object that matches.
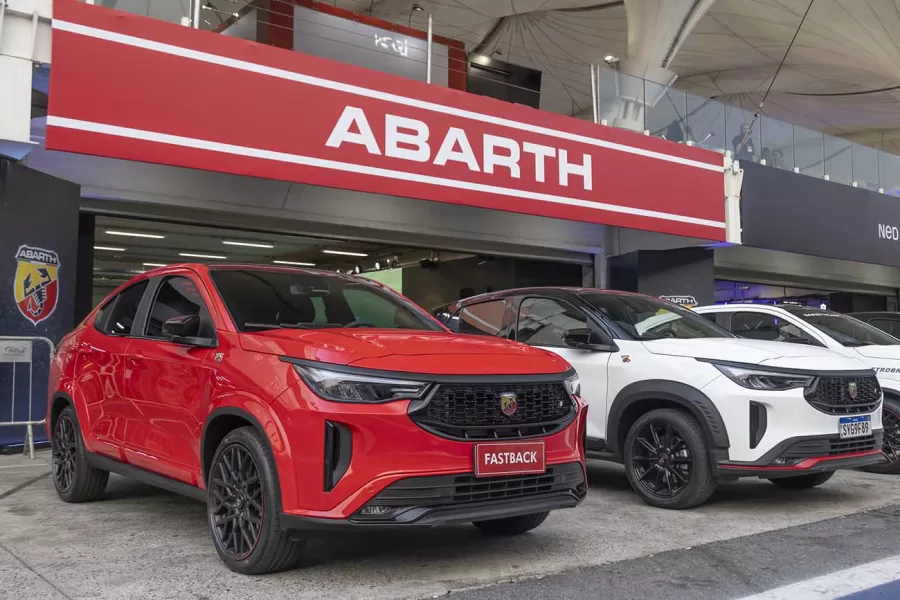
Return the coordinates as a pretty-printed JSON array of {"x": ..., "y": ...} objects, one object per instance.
[
  {"x": 838, "y": 584},
  {"x": 137, "y": 42},
  {"x": 186, "y": 142}
]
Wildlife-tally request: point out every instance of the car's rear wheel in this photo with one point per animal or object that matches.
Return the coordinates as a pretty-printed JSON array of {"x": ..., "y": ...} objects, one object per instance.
[
  {"x": 512, "y": 525},
  {"x": 74, "y": 479},
  {"x": 802, "y": 482},
  {"x": 667, "y": 460},
  {"x": 244, "y": 506},
  {"x": 890, "y": 419}
]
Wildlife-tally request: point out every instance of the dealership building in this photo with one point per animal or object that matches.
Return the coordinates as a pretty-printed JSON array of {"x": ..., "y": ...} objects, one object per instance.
[{"x": 582, "y": 145}]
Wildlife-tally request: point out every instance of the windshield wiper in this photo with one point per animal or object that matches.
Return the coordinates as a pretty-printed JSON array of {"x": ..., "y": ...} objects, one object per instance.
[{"x": 279, "y": 325}]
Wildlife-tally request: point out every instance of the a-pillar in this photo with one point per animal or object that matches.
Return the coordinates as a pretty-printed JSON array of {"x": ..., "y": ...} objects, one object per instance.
[{"x": 656, "y": 30}]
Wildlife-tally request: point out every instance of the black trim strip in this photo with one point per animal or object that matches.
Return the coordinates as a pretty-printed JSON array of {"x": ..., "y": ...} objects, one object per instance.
[
  {"x": 787, "y": 371},
  {"x": 99, "y": 461},
  {"x": 428, "y": 378}
]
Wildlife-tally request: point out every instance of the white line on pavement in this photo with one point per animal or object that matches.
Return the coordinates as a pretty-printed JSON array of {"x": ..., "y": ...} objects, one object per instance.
[{"x": 838, "y": 584}]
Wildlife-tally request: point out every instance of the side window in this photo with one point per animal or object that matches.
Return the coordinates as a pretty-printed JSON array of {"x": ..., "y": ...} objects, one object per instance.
[
  {"x": 176, "y": 297},
  {"x": 117, "y": 316},
  {"x": 712, "y": 317},
  {"x": 544, "y": 322},
  {"x": 759, "y": 326},
  {"x": 487, "y": 318}
]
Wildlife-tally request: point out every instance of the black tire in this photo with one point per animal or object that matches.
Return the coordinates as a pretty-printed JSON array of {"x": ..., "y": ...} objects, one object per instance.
[
  {"x": 74, "y": 479},
  {"x": 512, "y": 525},
  {"x": 680, "y": 474},
  {"x": 802, "y": 482},
  {"x": 241, "y": 493},
  {"x": 890, "y": 418}
]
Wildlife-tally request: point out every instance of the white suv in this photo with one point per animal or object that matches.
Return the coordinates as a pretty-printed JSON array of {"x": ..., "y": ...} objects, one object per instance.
[
  {"x": 681, "y": 402},
  {"x": 826, "y": 329}
]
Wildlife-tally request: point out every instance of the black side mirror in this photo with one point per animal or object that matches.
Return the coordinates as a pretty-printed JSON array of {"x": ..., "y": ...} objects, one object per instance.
[
  {"x": 186, "y": 330},
  {"x": 580, "y": 339}
]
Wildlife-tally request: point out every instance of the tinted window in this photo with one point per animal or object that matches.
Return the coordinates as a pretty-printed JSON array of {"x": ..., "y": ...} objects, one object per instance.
[
  {"x": 886, "y": 325},
  {"x": 711, "y": 317},
  {"x": 117, "y": 316},
  {"x": 176, "y": 297},
  {"x": 259, "y": 299},
  {"x": 646, "y": 318},
  {"x": 544, "y": 322},
  {"x": 845, "y": 330},
  {"x": 760, "y": 326},
  {"x": 487, "y": 318}
]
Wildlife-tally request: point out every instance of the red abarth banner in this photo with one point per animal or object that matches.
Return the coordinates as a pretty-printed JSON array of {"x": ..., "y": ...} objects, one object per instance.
[{"x": 129, "y": 87}]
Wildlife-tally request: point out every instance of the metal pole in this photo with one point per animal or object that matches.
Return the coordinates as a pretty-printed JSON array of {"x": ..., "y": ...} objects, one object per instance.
[
  {"x": 430, "y": 47},
  {"x": 195, "y": 14},
  {"x": 594, "y": 77}
]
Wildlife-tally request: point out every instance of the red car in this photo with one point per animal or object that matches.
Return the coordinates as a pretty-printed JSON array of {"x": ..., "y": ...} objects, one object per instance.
[{"x": 292, "y": 400}]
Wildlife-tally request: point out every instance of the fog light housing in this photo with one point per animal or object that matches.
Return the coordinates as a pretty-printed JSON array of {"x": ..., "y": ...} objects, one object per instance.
[{"x": 376, "y": 511}]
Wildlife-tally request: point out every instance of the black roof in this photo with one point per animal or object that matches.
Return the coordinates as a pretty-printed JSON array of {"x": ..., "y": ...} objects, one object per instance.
[
  {"x": 557, "y": 291},
  {"x": 876, "y": 313}
]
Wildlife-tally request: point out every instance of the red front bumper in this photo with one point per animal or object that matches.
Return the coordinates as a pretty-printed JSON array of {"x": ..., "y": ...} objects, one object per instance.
[{"x": 385, "y": 447}]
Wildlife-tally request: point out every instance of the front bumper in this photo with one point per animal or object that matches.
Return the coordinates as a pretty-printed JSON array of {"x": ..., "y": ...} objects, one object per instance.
[{"x": 809, "y": 454}]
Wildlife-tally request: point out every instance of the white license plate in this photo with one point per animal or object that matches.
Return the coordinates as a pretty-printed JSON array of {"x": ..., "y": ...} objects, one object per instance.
[{"x": 851, "y": 427}]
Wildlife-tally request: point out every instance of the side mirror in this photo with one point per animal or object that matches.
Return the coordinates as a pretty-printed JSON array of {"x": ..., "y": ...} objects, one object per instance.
[
  {"x": 580, "y": 339},
  {"x": 185, "y": 330}
]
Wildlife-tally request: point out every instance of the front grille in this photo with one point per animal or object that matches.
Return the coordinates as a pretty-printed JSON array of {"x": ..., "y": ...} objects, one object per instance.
[
  {"x": 830, "y": 447},
  {"x": 452, "y": 490},
  {"x": 474, "y": 412},
  {"x": 832, "y": 395}
]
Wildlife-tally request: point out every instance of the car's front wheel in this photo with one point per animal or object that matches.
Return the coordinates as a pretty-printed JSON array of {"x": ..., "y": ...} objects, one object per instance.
[
  {"x": 243, "y": 506},
  {"x": 667, "y": 460},
  {"x": 512, "y": 525},
  {"x": 802, "y": 482},
  {"x": 74, "y": 478},
  {"x": 890, "y": 419}
]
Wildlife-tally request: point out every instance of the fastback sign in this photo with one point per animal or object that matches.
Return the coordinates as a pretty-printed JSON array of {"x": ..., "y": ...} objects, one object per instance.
[{"x": 201, "y": 100}]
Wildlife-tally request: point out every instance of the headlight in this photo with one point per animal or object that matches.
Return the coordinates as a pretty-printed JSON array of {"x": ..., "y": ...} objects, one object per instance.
[
  {"x": 760, "y": 379},
  {"x": 573, "y": 384},
  {"x": 352, "y": 387}
]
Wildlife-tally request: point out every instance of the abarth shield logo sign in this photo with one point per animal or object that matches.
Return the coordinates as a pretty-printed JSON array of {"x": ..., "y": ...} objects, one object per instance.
[
  {"x": 508, "y": 403},
  {"x": 853, "y": 390},
  {"x": 36, "y": 283}
]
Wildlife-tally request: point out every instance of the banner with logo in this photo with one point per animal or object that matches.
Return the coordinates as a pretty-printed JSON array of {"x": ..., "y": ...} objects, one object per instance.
[
  {"x": 38, "y": 248},
  {"x": 130, "y": 87}
]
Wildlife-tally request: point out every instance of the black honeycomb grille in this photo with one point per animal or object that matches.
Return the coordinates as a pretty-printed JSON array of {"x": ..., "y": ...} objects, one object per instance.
[
  {"x": 474, "y": 412},
  {"x": 844, "y": 395}
]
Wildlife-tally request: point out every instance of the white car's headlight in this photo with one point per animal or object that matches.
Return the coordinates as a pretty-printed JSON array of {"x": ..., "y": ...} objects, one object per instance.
[
  {"x": 573, "y": 384},
  {"x": 353, "y": 387},
  {"x": 761, "y": 379}
]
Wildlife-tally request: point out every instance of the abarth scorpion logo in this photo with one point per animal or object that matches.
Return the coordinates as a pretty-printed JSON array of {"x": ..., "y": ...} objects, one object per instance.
[
  {"x": 508, "y": 403},
  {"x": 853, "y": 390},
  {"x": 36, "y": 285}
]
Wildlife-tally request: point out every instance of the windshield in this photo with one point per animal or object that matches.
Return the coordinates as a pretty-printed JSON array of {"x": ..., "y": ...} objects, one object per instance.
[
  {"x": 259, "y": 299},
  {"x": 845, "y": 330},
  {"x": 645, "y": 318}
]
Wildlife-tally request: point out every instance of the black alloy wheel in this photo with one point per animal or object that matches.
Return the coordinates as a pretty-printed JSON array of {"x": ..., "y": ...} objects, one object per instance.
[
  {"x": 661, "y": 460},
  {"x": 668, "y": 460},
  {"x": 236, "y": 502},
  {"x": 65, "y": 451},
  {"x": 890, "y": 420}
]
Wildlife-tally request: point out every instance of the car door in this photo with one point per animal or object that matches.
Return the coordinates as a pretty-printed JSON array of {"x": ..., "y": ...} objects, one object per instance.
[
  {"x": 544, "y": 322},
  {"x": 169, "y": 383},
  {"x": 100, "y": 369}
]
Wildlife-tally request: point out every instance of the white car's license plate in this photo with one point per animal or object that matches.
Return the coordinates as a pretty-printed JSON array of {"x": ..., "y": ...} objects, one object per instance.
[{"x": 851, "y": 427}]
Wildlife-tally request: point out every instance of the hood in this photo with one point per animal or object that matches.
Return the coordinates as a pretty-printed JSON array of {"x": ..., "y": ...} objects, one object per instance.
[
  {"x": 430, "y": 352},
  {"x": 884, "y": 352},
  {"x": 757, "y": 352}
]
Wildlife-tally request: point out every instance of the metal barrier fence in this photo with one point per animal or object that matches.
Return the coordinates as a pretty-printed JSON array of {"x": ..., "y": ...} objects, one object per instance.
[{"x": 14, "y": 353}]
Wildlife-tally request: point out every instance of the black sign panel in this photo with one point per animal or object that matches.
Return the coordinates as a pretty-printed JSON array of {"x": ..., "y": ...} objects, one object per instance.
[
  {"x": 38, "y": 248},
  {"x": 783, "y": 210}
]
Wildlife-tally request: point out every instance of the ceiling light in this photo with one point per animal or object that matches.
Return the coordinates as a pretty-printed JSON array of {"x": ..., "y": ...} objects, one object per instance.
[
  {"x": 344, "y": 253},
  {"x": 152, "y": 236},
  {"x": 155, "y": 264},
  {"x": 110, "y": 248},
  {"x": 294, "y": 264},
  {"x": 417, "y": 7},
  {"x": 356, "y": 270},
  {"x": 610, "y": 59},
  {"x": 211, "y": 256},
  {"x": 138, "y": 271},
  {"x": 377, "y": 266},
  {"x": 249, "y": 244}
]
